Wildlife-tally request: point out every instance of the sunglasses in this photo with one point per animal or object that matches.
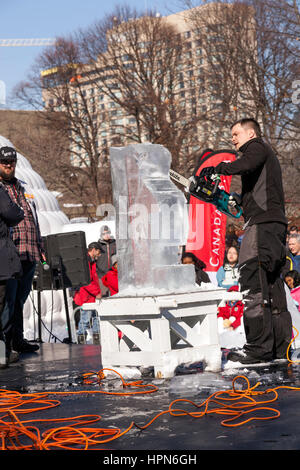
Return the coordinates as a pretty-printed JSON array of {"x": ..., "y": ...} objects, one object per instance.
[{"x": 8, "y": 162}]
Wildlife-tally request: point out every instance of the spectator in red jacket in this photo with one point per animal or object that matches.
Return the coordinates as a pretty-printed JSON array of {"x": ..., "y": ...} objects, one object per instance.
[
  {"x": 110, "y": 279},
  {"x": 89, "y": 293}
]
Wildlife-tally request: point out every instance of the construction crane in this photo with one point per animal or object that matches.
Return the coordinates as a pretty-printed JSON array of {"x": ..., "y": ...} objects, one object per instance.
[
  {"x": 27, "y": 42},
  {"x": 21, "y": 43}
]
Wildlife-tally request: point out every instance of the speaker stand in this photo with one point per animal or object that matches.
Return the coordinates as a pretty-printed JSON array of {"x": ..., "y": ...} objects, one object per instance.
[
  {"x": 69, "y": 339},
  {"x": 39, "y": 313},
  {"x": 58, "y": 282}
]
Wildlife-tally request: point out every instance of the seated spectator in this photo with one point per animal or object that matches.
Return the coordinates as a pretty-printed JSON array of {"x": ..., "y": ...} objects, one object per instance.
[
  {"x": 239, "y": 233},
  {"x": 110, "y": 279},
  {"x": 240, "y": 238},
  {"x": 108, "y": 249},
  {"x": 228, "y": 274},
  {"x": 294, "y": 252},
  {"x": 88, "y": 294},
  {"x": 231, "y": 238},
  {"x": 200, "y": 275},
  {"x": 292, "y": 279},
  {"x": 232, "y": 312},
  {"x": 293, "y": 230}
]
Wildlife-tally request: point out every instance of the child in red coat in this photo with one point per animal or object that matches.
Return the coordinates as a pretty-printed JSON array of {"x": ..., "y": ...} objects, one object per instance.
[
  {"x": 232, "y": 312},
  {"x": 110, "y": 279}
]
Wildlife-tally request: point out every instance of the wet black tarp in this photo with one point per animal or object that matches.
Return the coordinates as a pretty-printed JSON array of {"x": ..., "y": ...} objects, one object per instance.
[{"x": 60, "y": 367}]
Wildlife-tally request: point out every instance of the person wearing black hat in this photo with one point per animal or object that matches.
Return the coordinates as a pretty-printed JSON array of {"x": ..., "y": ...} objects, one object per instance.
[
  {"x": 10, "y": 264},
  {"x": 28, "y": 243}
]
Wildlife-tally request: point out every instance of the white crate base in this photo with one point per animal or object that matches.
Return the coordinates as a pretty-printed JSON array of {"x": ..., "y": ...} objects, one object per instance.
[{"x": 161, "y": 331}]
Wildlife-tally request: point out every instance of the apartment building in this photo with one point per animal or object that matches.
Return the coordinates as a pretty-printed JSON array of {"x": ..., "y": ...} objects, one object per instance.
[{"x": 96, "y": 93}]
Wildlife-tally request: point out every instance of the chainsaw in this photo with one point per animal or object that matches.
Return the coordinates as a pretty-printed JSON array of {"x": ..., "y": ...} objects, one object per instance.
[{"x": 206, "y": 188}]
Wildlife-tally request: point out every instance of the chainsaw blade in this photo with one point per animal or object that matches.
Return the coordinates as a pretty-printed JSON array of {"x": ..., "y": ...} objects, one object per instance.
[{"x": 180, "y": 179}]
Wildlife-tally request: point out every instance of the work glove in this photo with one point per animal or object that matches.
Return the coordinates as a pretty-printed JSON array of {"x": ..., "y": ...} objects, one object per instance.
[
  {"x": 193, "y": 184},
  {"x": 208, "y": 171},
  {"x": 234, "y": 200}
]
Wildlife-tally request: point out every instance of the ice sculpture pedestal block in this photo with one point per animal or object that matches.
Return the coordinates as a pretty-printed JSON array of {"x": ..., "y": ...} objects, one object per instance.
[{"x": 162, "y": 331}]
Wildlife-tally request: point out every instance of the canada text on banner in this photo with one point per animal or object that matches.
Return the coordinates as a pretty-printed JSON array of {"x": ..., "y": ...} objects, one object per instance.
[{"x": 207, "y": 225}]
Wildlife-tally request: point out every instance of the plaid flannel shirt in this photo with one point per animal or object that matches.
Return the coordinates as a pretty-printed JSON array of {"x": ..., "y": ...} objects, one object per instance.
[{"x": 26, "y": 235}]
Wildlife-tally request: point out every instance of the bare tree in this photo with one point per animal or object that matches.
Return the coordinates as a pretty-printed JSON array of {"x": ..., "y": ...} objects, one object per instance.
[
  {"x": 133, "y": 78},
  {"x": 252, "y": 52},
  {"x": 139, "y": 62}
]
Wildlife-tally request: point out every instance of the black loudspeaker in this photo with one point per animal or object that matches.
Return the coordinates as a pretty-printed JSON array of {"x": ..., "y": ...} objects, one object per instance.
[
  {"x": 42, "y": 279},
  {"x": 66, "y": 254},
  {"x": 66, "y": 266}
]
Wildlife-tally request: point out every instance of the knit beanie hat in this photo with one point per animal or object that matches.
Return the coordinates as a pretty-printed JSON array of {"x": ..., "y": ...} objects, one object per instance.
[{"x": 104, "y": 228}]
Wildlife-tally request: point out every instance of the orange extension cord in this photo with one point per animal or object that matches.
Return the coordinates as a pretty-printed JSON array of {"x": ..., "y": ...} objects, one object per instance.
[{"x": 239, "y": 406}]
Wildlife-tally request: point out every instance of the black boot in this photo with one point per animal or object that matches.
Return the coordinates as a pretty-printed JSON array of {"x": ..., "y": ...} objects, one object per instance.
[{"x": 24, "y": 346}]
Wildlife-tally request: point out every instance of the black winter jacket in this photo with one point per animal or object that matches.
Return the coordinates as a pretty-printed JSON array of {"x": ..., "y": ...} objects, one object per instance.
[
  {"x": 201, "y": 276},
  {"x": 10, "y": 214},
  {"x": 262, "y": 191},
  {"x": 108, "y": 249}
]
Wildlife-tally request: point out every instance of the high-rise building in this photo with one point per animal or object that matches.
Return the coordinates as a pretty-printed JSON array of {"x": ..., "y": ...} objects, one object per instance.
[{"x": 95, "y": 93}]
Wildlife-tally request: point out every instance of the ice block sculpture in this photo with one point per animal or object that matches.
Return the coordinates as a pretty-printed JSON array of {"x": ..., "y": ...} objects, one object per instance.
[{"x": 151, "y": 222}]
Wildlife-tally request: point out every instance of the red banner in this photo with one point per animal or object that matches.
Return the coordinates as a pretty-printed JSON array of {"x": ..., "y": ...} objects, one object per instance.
[{"x": 207, "y": 225}]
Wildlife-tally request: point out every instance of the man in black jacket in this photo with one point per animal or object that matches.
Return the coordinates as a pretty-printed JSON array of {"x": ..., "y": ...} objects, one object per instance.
[
  {"x": 108, "y": 249},
  {"x": 28, "y": 243},
  {"x": 267, "y": 322},
  {"x": 10, "y": 265}
]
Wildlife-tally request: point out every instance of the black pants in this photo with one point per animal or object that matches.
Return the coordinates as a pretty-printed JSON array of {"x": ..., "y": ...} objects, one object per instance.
[
  {"x": 267, "y": 321},
  {"x": 17, "y": 291},
  {"x": 2, "y": 304}
]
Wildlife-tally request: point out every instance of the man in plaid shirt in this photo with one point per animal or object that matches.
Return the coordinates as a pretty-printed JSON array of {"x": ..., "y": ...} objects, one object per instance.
[{"x": 27, "y": 239}]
